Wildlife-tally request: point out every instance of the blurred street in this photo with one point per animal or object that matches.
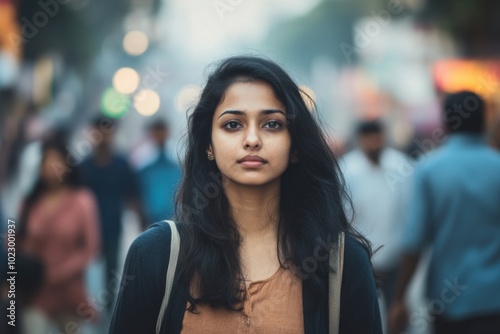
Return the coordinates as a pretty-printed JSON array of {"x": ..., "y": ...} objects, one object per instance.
[{"x": 94, "y": 102}]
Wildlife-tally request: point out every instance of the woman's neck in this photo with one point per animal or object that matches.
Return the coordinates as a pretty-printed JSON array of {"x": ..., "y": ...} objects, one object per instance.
[{"x": 255, "y": 209}]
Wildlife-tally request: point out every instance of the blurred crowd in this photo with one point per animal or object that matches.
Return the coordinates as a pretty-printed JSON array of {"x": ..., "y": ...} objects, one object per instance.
[
  {"x": 440, "y": 205},
  {"x": 68, "y": 213}
]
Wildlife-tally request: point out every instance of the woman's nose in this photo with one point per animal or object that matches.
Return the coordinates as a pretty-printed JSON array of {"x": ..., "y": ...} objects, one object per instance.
[{"x": 252, "y": 139}]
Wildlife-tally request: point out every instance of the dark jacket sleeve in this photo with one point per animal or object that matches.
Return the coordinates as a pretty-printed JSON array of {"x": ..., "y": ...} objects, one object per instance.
[
  {"x": 359, "y": 310},
  {"x": 143, "y": 282}
]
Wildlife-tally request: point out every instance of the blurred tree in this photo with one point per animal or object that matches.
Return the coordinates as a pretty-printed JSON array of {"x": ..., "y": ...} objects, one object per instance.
[
  {"x": 71, "y": 32},
  {"x": 73, "y": 28},
  {"x": 327, "y": 30},
  {"x": 473, "y": 24},
  {"x": 319, "y": 32}
]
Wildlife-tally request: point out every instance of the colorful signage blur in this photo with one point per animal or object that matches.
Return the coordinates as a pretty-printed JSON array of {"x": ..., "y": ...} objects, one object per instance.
[
  {"x": 479, "y": 76},
  {"x": 8, "y": 28}
]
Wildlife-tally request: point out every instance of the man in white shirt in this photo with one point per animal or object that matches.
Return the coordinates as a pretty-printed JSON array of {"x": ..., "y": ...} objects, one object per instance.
[{"x": 379, "y": 192}]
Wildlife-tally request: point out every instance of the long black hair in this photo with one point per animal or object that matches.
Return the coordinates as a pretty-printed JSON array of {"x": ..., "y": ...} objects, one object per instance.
[{"x": 312, "y": 201}]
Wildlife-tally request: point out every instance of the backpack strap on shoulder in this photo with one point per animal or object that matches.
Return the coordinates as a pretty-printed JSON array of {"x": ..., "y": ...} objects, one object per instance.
[
  {"x": 172, "y": 265},
  {"x": 335, "y": 284}
]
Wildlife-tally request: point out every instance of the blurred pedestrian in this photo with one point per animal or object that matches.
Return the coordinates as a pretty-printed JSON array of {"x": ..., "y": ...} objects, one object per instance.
[
  {"x": 115, "y": 184},
  {"x": 59, "y": 227},
  {"x": 159, "y": 178},
  {"x": 379, "y": 195},
  {"x": 455, "y": 210},
  {"x": 260, "y": 208}
]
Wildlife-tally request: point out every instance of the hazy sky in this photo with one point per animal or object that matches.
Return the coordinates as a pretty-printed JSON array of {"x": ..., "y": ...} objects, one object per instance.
[{"x": 206, "y": 29}]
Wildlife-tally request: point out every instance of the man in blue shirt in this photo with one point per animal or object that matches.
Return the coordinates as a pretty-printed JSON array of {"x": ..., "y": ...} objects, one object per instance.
[
  {"x": 455, "y": 209},
  {"x": 159, "y": 179},
  {"x": 114, "y": 183}
]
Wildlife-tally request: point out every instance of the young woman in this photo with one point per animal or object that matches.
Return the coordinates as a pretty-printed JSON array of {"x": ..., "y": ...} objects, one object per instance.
[
  {"x": 260, "y": 204},
  {"x": 60, "y": 228}
]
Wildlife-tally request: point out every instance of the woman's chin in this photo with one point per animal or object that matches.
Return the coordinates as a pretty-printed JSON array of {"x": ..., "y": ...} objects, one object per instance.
[{"x": 257, "y": 181}]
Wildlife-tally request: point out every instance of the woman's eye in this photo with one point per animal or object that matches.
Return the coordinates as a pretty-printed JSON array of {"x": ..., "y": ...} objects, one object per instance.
[
  {"x": 273, "y": 125},
  {"x": 231, "y": 125}
]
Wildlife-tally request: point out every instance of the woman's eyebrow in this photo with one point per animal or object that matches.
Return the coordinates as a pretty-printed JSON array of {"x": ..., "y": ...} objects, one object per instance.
[
  {"x": 262, "y": 112},
  {"x": 233, "y": 112},
  {"x": 272, "y": 111}
]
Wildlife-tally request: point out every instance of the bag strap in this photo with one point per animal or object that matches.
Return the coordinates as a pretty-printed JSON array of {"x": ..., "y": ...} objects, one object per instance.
[
  {"x": 335, "y": 284},
  {"x": 172, "y": 265}
]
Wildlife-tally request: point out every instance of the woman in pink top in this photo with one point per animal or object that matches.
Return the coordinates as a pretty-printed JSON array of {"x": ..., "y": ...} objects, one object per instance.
[{"x": 60, "y": 229}]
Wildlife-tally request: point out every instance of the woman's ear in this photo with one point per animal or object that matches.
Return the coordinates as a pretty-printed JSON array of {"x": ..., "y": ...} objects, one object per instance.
[
  {"x": 294, "y": 157},
  {"x": 210, "y": 150},
  {"x": 210, "y": 153}
]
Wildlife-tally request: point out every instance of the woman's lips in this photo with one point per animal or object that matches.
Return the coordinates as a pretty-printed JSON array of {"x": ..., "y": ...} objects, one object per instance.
[{"x": 252, "y": 163}]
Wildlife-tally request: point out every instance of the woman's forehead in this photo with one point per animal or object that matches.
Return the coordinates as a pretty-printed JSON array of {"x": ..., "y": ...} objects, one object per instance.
[{"x": 249, "y": 97}]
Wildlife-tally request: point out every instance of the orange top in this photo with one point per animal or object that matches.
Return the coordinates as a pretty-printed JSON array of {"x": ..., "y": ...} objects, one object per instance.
[{"x": 273, "y": 305}]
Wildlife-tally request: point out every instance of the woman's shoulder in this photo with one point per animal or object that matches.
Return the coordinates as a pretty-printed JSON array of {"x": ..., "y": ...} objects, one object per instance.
[
  {"x": 356, "y": 250},
  {"x": 143, "y": 281},
  {"x": 148, "y": 257},
  {"x": 154, "y": 243},
  {"x": 359, "y": 298},
  {"x": 357, "y": 263}
]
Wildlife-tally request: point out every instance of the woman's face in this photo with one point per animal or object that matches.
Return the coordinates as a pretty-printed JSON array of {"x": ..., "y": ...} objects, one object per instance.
[
  {"x": 250, "y": 139},
  {"x": 53, "y": 168}
]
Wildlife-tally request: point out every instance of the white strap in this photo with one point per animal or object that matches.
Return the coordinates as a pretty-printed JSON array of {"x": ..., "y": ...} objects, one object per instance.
[
  {"x": 172, "y": 264},
  {"x": 335, "y": 284}
]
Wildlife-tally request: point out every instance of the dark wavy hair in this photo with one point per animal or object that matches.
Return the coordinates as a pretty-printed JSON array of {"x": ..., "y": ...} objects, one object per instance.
[{"x": 312, "y": 201}]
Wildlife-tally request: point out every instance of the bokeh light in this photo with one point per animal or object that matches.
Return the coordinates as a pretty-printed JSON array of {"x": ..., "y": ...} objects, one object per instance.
[
  {"x": 187, "y": 97},
  {"x": 135, "y": 42},
  {"x": 114, "y": 104},
  {"x": 147, "y": 102},
  {"x": 126, "y": 80}
]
